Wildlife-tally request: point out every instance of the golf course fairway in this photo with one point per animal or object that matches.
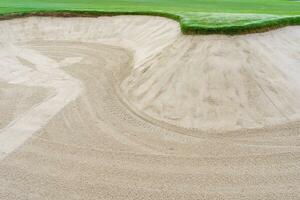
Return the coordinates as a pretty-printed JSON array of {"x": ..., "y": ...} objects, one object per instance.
[{"x": 99, "y": 100}]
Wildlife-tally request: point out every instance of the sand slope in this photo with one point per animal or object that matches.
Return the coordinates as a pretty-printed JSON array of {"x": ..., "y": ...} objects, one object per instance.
[
  {"x": 218, "y": 83},
  {"x": 109, "y": 91}
]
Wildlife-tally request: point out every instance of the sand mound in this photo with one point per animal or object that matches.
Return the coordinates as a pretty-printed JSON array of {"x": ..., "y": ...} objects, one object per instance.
[
  {"x": 221, "y": 83},
  {"x": 82, "y": 75}
]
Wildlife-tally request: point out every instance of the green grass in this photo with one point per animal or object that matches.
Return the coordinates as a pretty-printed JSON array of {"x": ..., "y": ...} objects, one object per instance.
[{"x": 194, "y": 16}]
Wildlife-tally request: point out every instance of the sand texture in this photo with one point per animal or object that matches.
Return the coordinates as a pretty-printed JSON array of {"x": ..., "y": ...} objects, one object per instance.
[{"x": 127, "y": 107}]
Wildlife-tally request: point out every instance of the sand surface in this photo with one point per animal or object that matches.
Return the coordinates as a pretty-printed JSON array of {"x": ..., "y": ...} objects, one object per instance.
[{"x": 128, "y": 108}]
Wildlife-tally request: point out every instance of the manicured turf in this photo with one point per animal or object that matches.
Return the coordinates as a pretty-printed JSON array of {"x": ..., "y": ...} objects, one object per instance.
[{"x": 195, "y": 16}]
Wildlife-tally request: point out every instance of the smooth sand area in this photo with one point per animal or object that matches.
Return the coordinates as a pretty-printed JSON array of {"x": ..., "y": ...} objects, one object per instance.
[{"x": 127, "y": 107}]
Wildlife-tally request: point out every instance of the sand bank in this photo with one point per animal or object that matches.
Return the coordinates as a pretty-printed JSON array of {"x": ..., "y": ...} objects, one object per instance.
[{"x": 105, "y": 91}]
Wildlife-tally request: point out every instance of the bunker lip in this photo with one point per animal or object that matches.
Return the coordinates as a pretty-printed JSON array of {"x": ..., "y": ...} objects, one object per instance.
[{"x": 255, "y": 27}]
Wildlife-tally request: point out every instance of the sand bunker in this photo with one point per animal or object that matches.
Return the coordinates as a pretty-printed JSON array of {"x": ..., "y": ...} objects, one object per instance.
[
  {"x": 128, "y": 108},
  {"x": 209, "y": 83}
]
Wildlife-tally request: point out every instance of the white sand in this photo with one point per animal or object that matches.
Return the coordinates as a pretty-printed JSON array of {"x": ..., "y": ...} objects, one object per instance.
[{"x": 87, "y": 144}]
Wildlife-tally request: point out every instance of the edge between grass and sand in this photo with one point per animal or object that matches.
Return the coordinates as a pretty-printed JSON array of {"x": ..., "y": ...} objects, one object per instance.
[{"x": 190, "y": 22}]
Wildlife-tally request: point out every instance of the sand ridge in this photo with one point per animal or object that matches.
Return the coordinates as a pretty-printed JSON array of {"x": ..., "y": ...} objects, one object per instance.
[{"x": 83, "y": 142}]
